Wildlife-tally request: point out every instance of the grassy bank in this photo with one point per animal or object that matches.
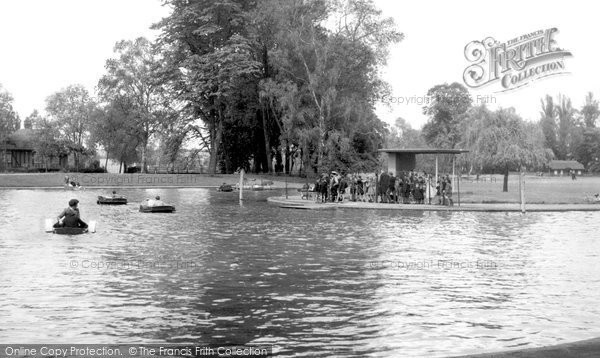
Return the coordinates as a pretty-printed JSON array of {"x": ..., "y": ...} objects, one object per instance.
[
  {"x": 56, "y": 180},
  {"x": 538, "y": 190}
]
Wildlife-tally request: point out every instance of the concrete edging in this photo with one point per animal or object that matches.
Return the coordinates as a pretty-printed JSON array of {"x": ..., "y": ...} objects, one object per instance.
[{"x": 296, "y": 203}]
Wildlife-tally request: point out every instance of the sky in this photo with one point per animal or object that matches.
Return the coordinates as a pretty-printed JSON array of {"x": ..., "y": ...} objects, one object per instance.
[{"x": 47, "y": 45}]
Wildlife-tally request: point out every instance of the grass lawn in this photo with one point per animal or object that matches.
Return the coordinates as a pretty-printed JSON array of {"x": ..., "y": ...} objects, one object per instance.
[{"x": 538, "y": 190}]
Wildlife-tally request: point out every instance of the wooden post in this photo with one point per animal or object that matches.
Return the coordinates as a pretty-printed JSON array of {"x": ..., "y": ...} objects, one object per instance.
[
  {"x": 241, "y": 184},
  {"x": 436, "y": 169},
  {"x": 522, "y": 190},
  {"x": 286, "y": 191},
  {"x": 376, "y": 186},
  {"x": 458, "y": 188},
  {"x": 453, "y": 171}
]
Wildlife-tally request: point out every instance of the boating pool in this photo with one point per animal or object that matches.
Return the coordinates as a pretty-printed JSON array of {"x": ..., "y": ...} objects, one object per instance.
[{"x": 344, "y": 283}]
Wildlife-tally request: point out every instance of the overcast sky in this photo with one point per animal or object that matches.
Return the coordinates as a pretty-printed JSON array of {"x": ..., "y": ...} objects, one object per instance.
[{"x": 47, "y": 45}]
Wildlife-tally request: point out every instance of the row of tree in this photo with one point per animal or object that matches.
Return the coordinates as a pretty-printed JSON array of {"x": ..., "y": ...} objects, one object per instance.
[
  {"x": 252, "y": 82},
  {"x": 500, "y": 141}
]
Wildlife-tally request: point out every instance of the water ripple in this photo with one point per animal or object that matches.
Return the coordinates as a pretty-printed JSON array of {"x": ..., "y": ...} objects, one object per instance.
[{"x": 312, "y": 283}]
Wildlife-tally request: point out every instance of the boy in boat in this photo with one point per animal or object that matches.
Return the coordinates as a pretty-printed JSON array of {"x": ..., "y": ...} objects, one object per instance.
[
  {"x": 70, "y": 216},
  {"x": 155, "y": 202}
]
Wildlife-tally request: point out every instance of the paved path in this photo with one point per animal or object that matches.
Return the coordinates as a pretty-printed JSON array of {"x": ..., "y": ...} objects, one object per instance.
[{"x": 295, "y": 202}]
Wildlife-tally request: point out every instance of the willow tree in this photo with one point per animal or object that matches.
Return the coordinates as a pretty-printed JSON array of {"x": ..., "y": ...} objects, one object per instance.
[{"x": 501, "y": 141}]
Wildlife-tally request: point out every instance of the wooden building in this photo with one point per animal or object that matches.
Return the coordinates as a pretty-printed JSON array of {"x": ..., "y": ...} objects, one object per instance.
[
  {"x": 564, "y": 167},
  {"x": 18, "y": 153}
]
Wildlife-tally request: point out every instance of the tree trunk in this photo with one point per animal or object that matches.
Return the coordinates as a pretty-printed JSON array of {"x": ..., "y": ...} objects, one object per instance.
[
  {"x": 286, "y": 169},
  {"x": 505, "y": 185},
  {"x": 214, "y": 146},
  {"x": 144, "y": 156},
  {"x": 269, "y": 163},
  {"x": 106, "y": 162}
]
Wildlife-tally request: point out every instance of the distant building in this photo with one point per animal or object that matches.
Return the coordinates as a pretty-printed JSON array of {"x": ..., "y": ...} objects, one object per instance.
[
  {"x": 17, "y": 152},
  {"x": 564, "y": 167}
]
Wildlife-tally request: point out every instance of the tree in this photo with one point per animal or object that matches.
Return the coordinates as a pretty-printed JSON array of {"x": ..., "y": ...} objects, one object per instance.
[
  {"x": 71, "y": 108},
  {"x": 31, "y": 119},
  {"x": 326, "y": 80},
  {"x": 116, "y": 132},
  {"x": 446, "y": 112},
  {"x": 502, "y": 141},
  {"x": 548, "y": 124},
  {"x": 566, "y": 123},
  {"x": 48, "y": 144},
  {"x": 590, "y": 111},
  {"x": 139, "y": 77},
  {"x": 9, "y": 121},
  {"x": 208, "y": 44},
  {"x": 588, "y": 150}
]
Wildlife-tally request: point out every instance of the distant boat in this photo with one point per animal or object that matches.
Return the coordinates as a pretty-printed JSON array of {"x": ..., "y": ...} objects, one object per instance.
[
  {"x": 157, "y": 209},
  {"x": 225, "y": 188},
  {"x": 111, "y": 200}
]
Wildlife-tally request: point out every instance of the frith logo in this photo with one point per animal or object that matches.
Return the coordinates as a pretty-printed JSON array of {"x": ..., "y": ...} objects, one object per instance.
[{"x": 514, "y": 63}]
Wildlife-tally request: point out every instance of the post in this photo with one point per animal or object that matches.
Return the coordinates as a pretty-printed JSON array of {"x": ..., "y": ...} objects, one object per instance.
[
  {"x": 436, "y": 169},
  {"x": 241, "y": 184},
  {"x": 453, "y": 171},
  {"x": 522, "y": 190},
  {"x": 429, "y": 189},
  {"x": 376, "y": 187},
  {"x": 286, "y": 192},
  {"x": 458, "y": 188}
]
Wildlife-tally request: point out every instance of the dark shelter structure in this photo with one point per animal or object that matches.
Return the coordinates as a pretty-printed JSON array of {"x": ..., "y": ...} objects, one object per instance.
[{"x": 406, "y": 159}]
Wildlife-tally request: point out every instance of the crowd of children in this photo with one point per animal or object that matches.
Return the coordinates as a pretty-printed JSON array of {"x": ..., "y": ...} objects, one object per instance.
[{"x": 405, "y": 188}]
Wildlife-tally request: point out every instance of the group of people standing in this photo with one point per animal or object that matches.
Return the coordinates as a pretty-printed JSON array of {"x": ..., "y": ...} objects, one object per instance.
[{"x": 406, "y": 188}]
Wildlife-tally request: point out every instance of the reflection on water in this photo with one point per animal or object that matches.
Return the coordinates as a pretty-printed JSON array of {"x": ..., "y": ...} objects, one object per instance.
[{"x": 313, "y": 283}]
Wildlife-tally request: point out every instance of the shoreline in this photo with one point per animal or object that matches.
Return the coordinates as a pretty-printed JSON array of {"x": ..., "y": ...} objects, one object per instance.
[
  {"x": 295, "y": 202},
  {"x": 587, "y": 348}
]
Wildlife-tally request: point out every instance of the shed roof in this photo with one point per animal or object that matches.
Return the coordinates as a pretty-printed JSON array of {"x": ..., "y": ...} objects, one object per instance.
[{"x": 565, "y": 164}]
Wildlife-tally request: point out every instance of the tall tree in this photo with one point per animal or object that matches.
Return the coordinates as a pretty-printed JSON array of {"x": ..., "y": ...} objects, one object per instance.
[
  {"x": 566, "y": 122},
  {"x": 446, "y": 112},
  {"x": 327, "y": 79},
  {"x": 9, "y": 121},
  {"x": 208, "y": 43},
  {"x": 590, "y": 111},
  {"x": 71, "y": 108},
  {"x": 502, "y": 141},
  {"x": 139, "y": 76},
  {"x": 548, "y": 124},
  {"x": 117, "y": 132}
]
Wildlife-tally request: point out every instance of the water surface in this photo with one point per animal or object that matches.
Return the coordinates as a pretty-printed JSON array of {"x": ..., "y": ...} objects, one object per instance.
[{"x": 343, "y": 283}]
